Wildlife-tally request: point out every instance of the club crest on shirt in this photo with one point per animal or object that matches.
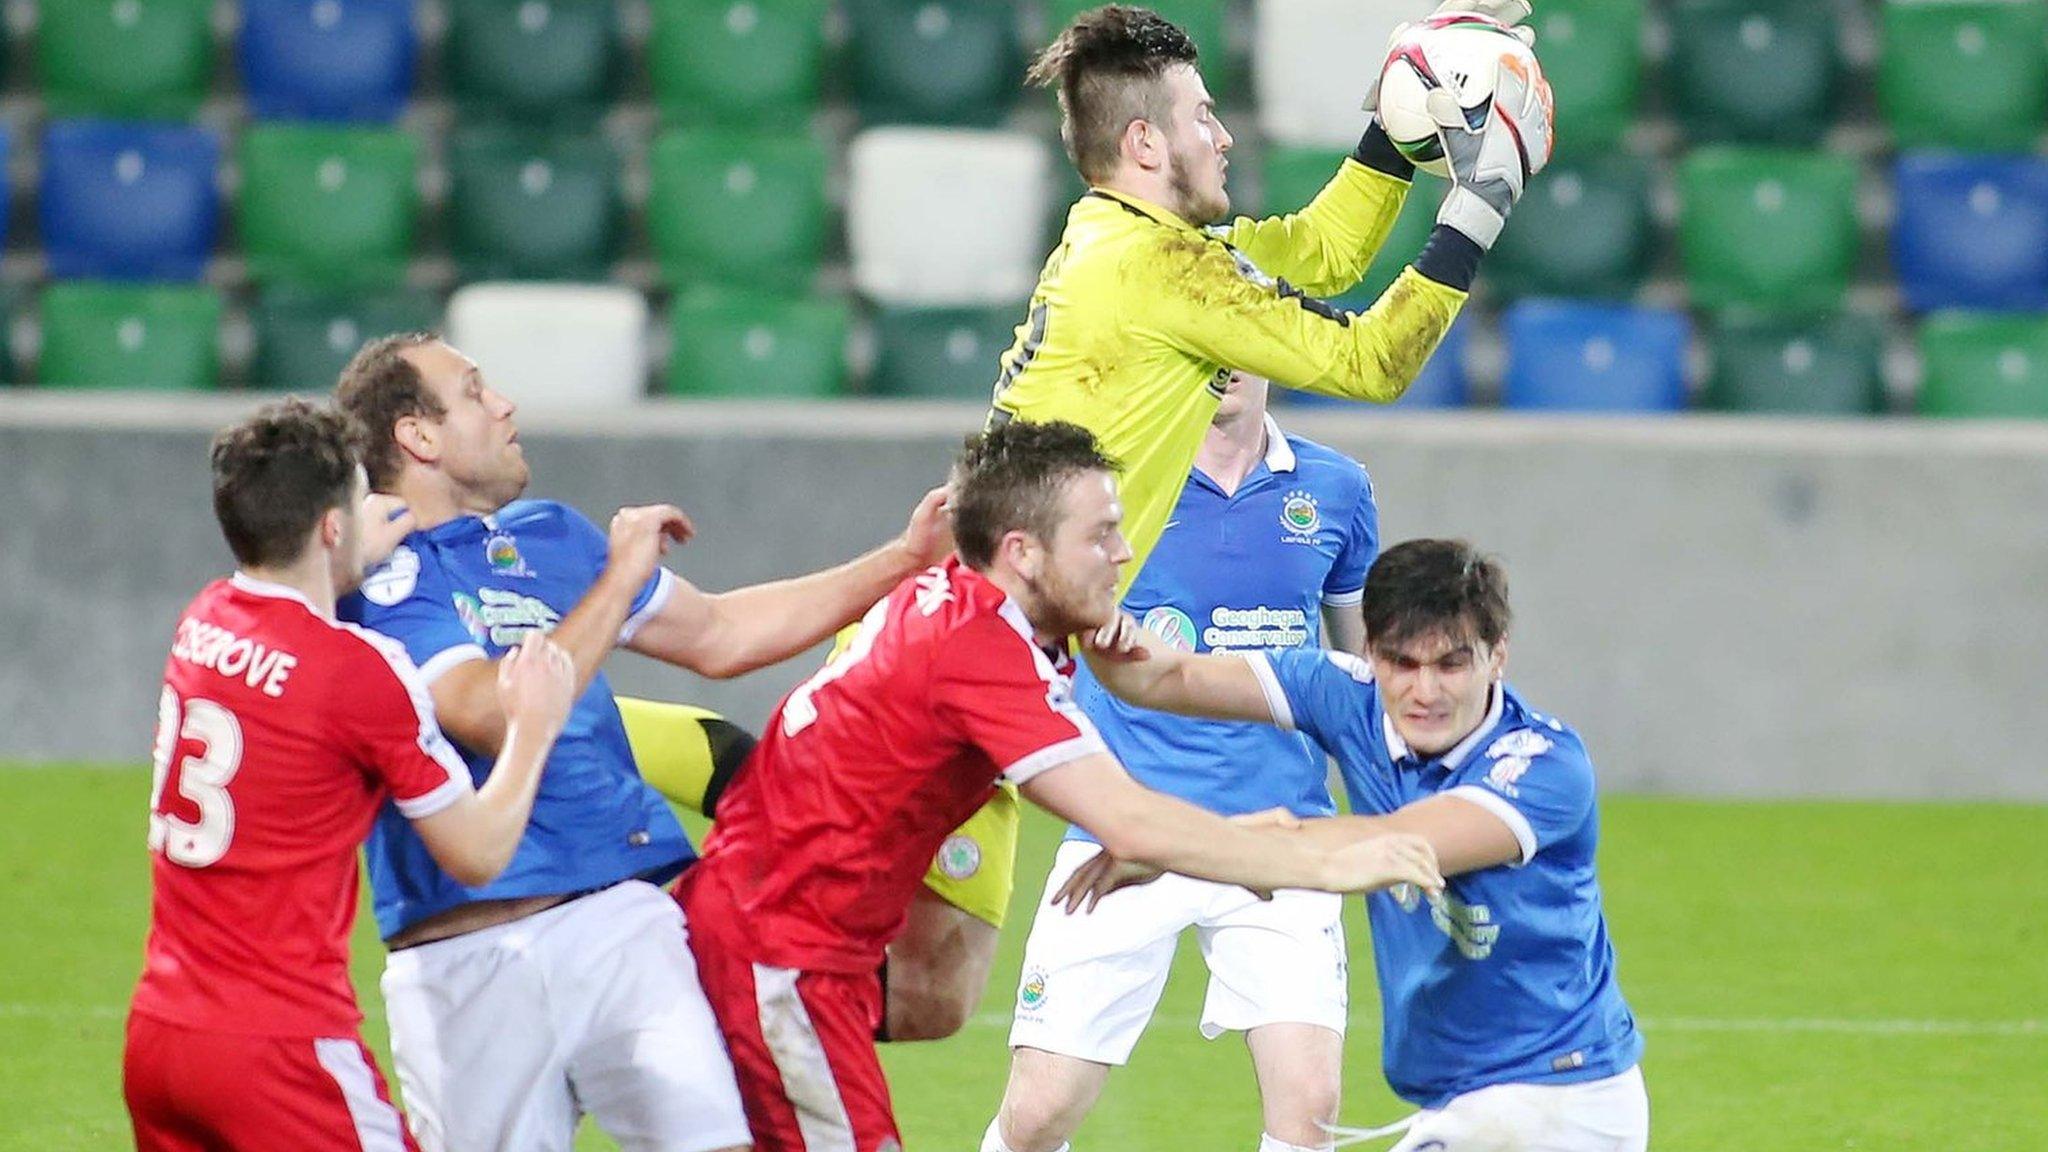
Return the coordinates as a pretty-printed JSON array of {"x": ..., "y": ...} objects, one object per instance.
[
  {"x": 1031, "y": 993},
  {"x": 1175, "y": 628},
  {"x": 1526, "y": 743},
  {"x": 1505, "y": 773},
  {"x": 1300, "y": 516},
  {"x": 502, "y": 551},
  {"x": 395, "y": 579}
]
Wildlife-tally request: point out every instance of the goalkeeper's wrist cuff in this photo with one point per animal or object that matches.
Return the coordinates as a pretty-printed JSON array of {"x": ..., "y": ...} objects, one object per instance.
[
  {"x": 1376, "y": 151},
  {"x": 1470, "y": 213},
  {"x": 1450, "y": 258}
]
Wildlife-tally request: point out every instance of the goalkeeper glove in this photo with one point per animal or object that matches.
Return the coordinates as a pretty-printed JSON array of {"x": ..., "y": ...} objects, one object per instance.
[{"x": 1491, "y": 166}]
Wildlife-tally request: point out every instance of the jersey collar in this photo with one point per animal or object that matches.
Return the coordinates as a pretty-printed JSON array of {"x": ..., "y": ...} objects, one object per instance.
[
  {"x": 1451, "y": 761},
  {"x": 1144, "y": 208},
  {"x": 1279, "y": 453},
  {"x": 244, "y": 582}
]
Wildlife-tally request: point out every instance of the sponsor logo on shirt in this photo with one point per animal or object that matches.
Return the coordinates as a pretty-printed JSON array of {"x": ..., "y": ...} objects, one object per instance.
[
  {"x": 1505, "y": 773},
  {"x": 1300, "y": 516},
  {"x": 1259, "y": 627},
  {"x": 1526, "y": 743},
  {"x": 496, "y": 617},
  {"x": 1175, "y": 628},
  {"x": 395, "y": 579},
  {"x": 1469, "y": 926}
]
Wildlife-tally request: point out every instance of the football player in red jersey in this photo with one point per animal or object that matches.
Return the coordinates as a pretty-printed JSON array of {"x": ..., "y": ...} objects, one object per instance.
[
  {"x": 959, "y": 678},
  {"x": 280, "y": 733}
]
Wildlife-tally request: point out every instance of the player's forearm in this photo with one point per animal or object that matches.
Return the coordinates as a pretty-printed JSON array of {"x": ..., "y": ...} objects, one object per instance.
[
  {"x": 591, "y": 629},
  {"x": 765, "y": 624},
  {"x": 1181, "y": 838}
]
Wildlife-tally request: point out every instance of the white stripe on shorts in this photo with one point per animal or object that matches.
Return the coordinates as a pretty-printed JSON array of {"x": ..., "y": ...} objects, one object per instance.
[
  {"x": 378, "y": 1128},
  {"x": 800, "y": 1057}
]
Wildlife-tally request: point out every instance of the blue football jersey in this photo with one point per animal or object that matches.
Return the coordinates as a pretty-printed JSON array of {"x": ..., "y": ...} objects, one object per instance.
[
  {"x": 1510, "y": 979},
  {"x": 1249, "y": 570},
  {"x": 470, "y": 589}
]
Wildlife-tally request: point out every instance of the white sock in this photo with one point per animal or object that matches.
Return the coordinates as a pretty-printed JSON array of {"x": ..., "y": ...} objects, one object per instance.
[
  {"x": 992, "y": 1140},
  {"x": 1270, "y": 1143}
]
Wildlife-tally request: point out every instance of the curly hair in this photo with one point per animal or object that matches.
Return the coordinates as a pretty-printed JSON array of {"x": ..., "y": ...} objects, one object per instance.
[
  {"x": 1107, "y": 67},
  {"x": 1012, "y": 477},
  {"x": 277, "y": 473},
  {"x": 379, "y": 387}
]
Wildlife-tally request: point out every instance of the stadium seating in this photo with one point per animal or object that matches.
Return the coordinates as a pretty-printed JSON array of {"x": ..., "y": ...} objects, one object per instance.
[
  {"x": 6, "y": 187},
  {"x": 534, "y": 61},
  {"x": 1583, "y": 229},
  {"x": 942, "y": 353},
  {"x": 1971, "y": 231},
  {"x": 554, "y": 346},
  {"x": 1442, "y": 382},
  {"x": 1754, "y": 70},
  {"x": 1767, "y": 227},
  {"x": 739, "y": 343},
  {"x": 529, "y": 206},
  {"x": 157, "y": 336},
  {"x": 976, "y": 242},
  {"x": 1825, "y": 367},
  {"x": 304, "y": 338},
  {"x": 1311, "y": 61},
  {"x": 326, "y": 59},
  {"x": 128, "y": 201},
  {"x": 1984, "y": 364},
  {"x": 134, "y": 58},
  {"x": 737, "y": 207},
  {"x": 934, "y": 61},
  {"x": 1593, "y": 58},
  {"x": 737, "y": 61},
  {"x": 327, "y": 205},
  {"x": 1571, "y": 356},
  {"x": 1970, "y": 75}
]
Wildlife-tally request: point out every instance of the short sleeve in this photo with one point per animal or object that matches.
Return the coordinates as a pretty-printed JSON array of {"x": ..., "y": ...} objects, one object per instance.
[
  {"x": 596, "y": 548},
  {"x": 397, "y": 739},
  {"x": 1316, "y": 692},
  {"x": 1540, "y": 783},
  {"x": 1345, "y": 585},
  {"x": 401, "y": 600},
  {"x": 1005, "y": 697}
]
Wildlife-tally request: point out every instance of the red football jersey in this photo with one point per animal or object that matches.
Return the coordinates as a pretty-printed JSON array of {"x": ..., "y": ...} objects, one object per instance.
[
  {"x": 279, "y": 734},
  {"x": 825, "y": 836}
]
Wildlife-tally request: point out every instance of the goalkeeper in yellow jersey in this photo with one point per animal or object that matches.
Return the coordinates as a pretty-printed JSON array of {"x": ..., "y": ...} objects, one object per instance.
[{"x": 1150, "y": 301}]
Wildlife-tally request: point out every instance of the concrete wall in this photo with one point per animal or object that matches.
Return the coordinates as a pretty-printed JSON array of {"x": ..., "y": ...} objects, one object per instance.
[{"x": 1722, "y": 607}]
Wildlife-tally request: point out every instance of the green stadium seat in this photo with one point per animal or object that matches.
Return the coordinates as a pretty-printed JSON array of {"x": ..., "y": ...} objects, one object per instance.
[
  {"x": 1966, "y": 76},
  {"x": 327, "y": 205},
  {"x": 734, "y": 342},
  {"x": 1984, "y": 364},
  {"x": 1593, "y": 57},
  {"x": 102, "y": 335},
  {"x": 1205, "y": 22},
  {"x": 143, "y": 59},
  {"x": 536, "y": 61},
  {"x": 935, "y": 61},
  {"x": 1753, "y": 70},
  {"x": 305, "y": 337},
  {"x": 1767, "y": 227},
  {"x": 737, "y": 61},
  {"x": 737, "y": 207},
  {"x": 1825, "y": 367},
  {"x": 1583, "y": 229},
  {"x": 1293, "y": 177},
  {"x": 525, "y": 205},
  {"x": 941, "y": 353}
]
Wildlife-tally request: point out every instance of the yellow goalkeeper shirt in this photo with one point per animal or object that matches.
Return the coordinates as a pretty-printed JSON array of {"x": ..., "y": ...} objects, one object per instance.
[{"x": 1139, "y": 318}]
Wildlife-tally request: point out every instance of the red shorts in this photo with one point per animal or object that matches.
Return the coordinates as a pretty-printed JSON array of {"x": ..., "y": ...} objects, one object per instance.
[
  {"x": 195, "y": 1091},
  {"x": 802, "y": 1043}
]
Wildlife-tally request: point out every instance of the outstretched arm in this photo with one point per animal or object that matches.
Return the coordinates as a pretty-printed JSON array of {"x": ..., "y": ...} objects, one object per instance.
[{"x": 1137, "y": 668}]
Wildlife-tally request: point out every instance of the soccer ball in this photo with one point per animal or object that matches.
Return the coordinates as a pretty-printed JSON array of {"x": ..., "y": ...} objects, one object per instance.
[{"x": 1443, "y": 67}]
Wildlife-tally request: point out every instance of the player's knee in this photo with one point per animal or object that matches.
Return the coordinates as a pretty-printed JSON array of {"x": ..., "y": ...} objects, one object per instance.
[
  {"x": 1297, "y": 1113},
  {"x": 924, "y": 1011}
]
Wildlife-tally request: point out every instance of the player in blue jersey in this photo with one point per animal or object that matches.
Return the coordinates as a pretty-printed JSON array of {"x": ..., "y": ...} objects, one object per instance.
[
  {"x": 566, "y": 986},
  {"x": 1270, "y": 537},
  {"x": 1501, "y": 1016}
]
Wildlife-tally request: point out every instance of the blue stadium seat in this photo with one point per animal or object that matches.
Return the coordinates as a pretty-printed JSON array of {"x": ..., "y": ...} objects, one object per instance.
[
  {"x": 1566, "y": 356},
  {"x": 1442, "y": 383},
  {"x": 127, "y": 201},
  {"x": 327, "y": 59},
  {"x": 1972, "y": 231}
]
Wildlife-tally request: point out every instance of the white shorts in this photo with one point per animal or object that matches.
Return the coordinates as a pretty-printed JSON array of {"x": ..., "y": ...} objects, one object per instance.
[
  {"x": 1610, "y": 1115},
  {"x": 506, "y": 1037},
  {"x": 1091, "y": 980}
]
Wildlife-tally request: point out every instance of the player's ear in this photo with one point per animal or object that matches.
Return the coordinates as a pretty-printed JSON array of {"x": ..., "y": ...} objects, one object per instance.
[
  {"x": 1143, "y": 144},
  {"x": 1499, "y": 662},
  {"x": 418, "y": 437},
  {"x": 333, "y": 528}
]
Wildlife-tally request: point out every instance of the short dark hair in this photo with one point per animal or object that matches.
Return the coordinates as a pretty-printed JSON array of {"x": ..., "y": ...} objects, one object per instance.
[
  {"x": 1423, "y": 588},
  {"x": 379, "y": 387},
  {"x": 1012, "y": 477},
  {"x": 277, "y": 473},
  {"x": 1106, "y": 67}
]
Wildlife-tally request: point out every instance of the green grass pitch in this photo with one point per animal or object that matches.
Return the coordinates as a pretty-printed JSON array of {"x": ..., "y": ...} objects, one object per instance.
[{"x": 1810, "y": 976}]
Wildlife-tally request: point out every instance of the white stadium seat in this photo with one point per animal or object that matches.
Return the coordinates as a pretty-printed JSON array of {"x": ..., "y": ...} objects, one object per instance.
[
  {"x": 946, "y": 216},
  {"x": 554, "y": 345},
  {"x": 1312, "y": 61}
]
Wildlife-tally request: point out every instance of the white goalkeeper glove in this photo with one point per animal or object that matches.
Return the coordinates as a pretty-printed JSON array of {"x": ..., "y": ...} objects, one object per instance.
[
  {"x": 1508, "y": 12},
  {"x": 1491, "y": 166}
]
